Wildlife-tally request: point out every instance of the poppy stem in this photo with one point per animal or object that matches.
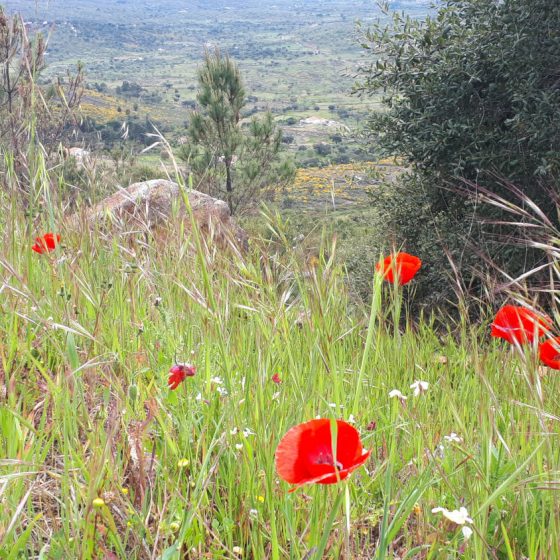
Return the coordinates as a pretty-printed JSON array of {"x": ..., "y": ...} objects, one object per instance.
[
  {"x": 373, "y": 316},
  {"x": 347, "y": 554},
  {"x": 327, "y": 529}
]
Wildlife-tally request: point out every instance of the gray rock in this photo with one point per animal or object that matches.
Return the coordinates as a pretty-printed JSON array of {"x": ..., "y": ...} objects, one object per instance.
[{"x": 150, "y": 204}]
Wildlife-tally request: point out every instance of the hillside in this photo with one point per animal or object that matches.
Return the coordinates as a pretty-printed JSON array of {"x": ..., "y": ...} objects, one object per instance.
[
  {"x": 291, "y": 348},
  {"x": 296, "y": 56}
]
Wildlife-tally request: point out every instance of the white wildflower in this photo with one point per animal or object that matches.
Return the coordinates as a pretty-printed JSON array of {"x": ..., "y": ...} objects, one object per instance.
[
  {"x": 217, "y": 380},
  {"x": 419, "y": 387},
  {"x": 198, "y": 397},
  {"x": 239, "y": 446},
  {"x": 467, "y": 532},
  {"x": 223, "y": 391},
  {"x": 233, "y": 431},
  {"x": 248, "y": 432},
  {"x": 396, "y": 393},
  {"x": 351, "y": 419},
  {"x": 453, "y": 438},
  {"x": 458, "y": 516}
]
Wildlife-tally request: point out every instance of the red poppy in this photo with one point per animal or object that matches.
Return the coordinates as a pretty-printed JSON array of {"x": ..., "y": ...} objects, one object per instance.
[
  {"x": 305, "y": 454},
  {"x": 406, "y": 267},
  {"x": 519, "y": 325},
  {"x": 276, "y": 379},
  {"x": 178, "y": 373},
  {"x": 46, "y": 244},
  {"x": 549, "y": 352}
]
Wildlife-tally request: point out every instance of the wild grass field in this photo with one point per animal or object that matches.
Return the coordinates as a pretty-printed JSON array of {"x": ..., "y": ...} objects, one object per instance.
[
  {"x": 100, "y": 459},
  {"x": 169, "y": 395}
]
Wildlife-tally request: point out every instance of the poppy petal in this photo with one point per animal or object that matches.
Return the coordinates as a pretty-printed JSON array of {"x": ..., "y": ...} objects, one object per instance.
[
  {"x": 330, "y": 477},
  {"x": 178, "y": 373},
  {"x": 46, "y": 243},
  {"x": 519, "y": 325},
  {"x": 549, "y": 352},
  {"x": 403, "y": 264},
  {"x": 290, "y": 464},
  {"x": 305, "y": 454}
]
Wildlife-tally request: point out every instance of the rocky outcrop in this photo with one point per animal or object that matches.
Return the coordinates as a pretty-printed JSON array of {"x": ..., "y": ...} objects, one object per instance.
[
  {"x": 151, "y": 204},
  {"x": 79, "y": 153}
]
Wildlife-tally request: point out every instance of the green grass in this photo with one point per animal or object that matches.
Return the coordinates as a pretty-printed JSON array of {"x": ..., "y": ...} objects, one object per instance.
[{"x": 89, "y": 332}]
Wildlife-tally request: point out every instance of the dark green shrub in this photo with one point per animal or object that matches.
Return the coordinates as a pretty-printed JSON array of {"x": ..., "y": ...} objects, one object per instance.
[{"x": 472, "y": 93}]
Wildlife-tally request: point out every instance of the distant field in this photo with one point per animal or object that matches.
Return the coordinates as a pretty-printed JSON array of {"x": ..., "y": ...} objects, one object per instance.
[
  {"x": 295, "y": 55},
  {"x": 335, "y": 186}
]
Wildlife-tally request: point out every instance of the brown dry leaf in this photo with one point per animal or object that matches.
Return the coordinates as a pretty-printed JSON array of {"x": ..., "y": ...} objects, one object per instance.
[{"x": 140, "y": 469}]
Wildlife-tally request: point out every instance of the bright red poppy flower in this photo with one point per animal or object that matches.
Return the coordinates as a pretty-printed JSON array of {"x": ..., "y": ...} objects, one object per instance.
[
  {"x": 406, "y": 266},
  {"x": 305, "y": 455},
  {"x": 46, "y": 244},
  {"x": 178, "y": 373},
  {"x": 276, "y": 379},
  {"x": 549, "y": 352},
  {"x": 519, "y": 325}
]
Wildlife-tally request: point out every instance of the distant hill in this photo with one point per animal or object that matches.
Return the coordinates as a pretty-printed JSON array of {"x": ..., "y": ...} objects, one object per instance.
[{"x": 298, "y": 57}]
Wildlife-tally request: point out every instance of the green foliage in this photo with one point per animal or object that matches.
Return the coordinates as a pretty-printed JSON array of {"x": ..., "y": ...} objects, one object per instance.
[
  {"x": 473, "y": 88},
  {"x": 100, "y": 459},
  {"x": 129, "y": 89},
  {"x": 472, "y": 93},
  {"x": 231, "y": 159}
]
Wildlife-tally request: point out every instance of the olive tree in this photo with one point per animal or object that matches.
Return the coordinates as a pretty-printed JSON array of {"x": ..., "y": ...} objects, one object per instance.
[{"x": 472, "y": 98}]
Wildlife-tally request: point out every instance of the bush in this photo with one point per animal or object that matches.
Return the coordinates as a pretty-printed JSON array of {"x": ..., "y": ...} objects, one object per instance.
[
  {"x": 322, "y": 149},
  {"x": 472, "y": 94},
  {"x": 142, "y": 172}
]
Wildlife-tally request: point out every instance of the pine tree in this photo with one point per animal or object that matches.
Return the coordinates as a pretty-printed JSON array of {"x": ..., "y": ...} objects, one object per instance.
[{"x": 228, "y": 158}]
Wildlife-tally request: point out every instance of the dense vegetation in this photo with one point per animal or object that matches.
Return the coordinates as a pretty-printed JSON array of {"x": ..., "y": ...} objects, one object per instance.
[
  {"x": 149, "y": 375},
  {"x": 473, "y": 104},
  {"x": 102, "y": 460}
]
